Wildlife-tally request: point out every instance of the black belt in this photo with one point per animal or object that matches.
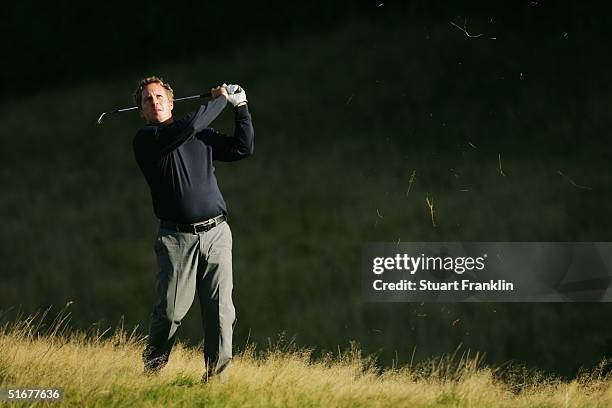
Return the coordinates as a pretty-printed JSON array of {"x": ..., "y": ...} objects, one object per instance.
[{"x": 194, "y": 228}]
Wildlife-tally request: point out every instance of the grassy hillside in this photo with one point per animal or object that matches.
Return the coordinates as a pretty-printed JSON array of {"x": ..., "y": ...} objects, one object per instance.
[
  {"x": 498, "y": 133},
  {"x": 98, "y": 370}
]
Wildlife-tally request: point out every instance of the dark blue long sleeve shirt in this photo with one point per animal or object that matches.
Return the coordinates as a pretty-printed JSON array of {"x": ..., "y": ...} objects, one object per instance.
[{"x": 177, "y": 162}]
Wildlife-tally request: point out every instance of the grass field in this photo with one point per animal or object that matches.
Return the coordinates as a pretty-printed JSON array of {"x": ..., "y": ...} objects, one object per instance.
[{"x": 98, "y": 369}]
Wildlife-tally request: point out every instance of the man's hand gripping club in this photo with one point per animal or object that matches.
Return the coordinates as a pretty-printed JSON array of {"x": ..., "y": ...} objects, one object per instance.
[{"x": 233, "y": 93}]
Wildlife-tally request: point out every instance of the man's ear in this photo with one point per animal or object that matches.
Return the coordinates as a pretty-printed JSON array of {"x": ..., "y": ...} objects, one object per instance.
[{"x": 172, "y": 105}]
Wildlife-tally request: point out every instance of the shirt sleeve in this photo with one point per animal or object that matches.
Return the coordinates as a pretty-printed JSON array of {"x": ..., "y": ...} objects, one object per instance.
[
  {"x": 240, "y": 146},
  {"x": 169, "y": 137}
]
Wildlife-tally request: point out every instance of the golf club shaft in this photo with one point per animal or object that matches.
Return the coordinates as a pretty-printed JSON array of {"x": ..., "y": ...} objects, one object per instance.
[{"x": 184, "y": 98}]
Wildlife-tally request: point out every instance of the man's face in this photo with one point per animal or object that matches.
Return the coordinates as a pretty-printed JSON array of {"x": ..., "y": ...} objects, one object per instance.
[{"x": 156, "y": 107}]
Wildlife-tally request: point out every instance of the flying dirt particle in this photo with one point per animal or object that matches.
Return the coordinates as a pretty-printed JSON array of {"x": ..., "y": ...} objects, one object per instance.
[
  {"x": 573, "y": 183},
  {"x": 412, "y": 177},
  {"x": 464, "y": 29},
  {"x": 501, "y": 171},
  {"x": 431, "y": 210}
]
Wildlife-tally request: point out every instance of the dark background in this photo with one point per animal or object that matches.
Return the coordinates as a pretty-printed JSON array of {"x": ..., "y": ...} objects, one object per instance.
[{"x": 348, "y": 100}]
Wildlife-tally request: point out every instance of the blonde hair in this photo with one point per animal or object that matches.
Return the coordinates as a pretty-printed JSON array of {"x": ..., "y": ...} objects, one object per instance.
[{"x": 151, "y": 80}]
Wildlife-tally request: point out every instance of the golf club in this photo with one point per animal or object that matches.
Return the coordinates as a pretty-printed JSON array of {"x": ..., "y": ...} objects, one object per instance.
[{"x": 185, "y": 98}]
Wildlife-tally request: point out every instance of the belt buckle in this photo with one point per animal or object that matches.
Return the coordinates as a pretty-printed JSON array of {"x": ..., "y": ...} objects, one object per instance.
[{"x": 206, "y": 225}]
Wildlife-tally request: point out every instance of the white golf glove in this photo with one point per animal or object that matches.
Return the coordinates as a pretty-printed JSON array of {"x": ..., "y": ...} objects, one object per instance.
[{"x": 236, "y": 94}]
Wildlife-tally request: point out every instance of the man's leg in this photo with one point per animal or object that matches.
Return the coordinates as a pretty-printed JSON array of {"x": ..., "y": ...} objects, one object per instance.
[
  {"x": 177, "y": 263},
  {"x": 215, "y": 295}
]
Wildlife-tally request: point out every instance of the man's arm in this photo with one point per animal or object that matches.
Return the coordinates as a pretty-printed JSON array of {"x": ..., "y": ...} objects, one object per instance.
[
  {"x": 169, "y": 137},
  {"x": 240, "y": 146}
]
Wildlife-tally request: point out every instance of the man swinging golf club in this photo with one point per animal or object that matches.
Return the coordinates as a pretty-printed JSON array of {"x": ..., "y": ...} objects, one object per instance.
[{"x": 194, "y": 241}]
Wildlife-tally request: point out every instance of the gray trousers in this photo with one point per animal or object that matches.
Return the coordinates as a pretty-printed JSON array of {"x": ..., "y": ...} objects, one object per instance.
[{"x": 188, "y": 264}]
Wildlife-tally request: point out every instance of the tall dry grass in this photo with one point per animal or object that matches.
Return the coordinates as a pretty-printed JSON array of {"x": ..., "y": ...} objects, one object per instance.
[{"x": 98, "y": 368}]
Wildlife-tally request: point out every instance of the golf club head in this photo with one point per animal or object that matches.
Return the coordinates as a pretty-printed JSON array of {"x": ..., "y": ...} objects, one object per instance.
[{"x": 101, "y": 116}]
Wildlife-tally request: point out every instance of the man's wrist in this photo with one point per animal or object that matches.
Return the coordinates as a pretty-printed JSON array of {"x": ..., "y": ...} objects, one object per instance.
[{"x": 241, "y": 104}]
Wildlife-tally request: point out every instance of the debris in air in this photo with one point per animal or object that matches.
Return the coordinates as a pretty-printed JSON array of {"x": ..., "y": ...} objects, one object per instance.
[
  {"x": 431, "y": 210},
  {"x": 573, "y": 183},
  {"x": 464, "y": 29},
  {"x": 501, "y": 171},
  {"x": 412, "y": 177}
]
